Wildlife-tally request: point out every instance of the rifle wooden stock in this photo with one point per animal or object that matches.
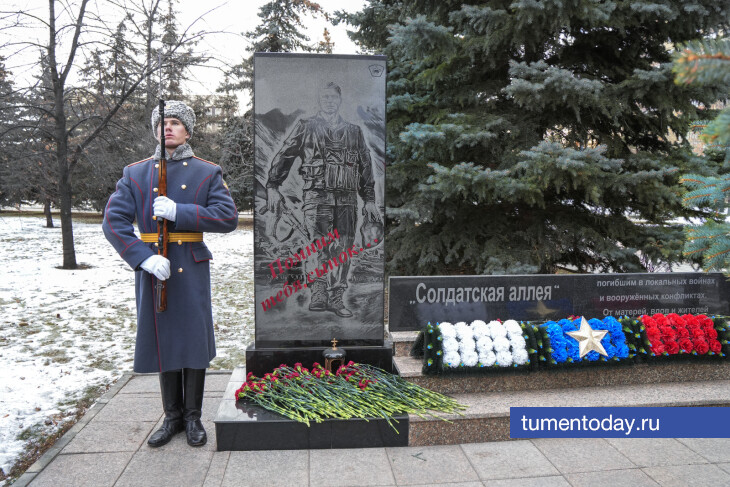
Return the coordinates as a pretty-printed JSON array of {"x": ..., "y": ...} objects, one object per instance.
[{"x": 162, "y": 233}]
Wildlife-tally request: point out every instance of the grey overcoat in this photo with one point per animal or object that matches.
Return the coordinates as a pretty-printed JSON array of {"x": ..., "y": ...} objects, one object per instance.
[{"x": 182, "y": 336}]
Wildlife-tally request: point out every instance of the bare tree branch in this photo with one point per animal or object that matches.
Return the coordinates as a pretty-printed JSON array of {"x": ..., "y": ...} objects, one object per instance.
[{"x": 74, "y": 43}]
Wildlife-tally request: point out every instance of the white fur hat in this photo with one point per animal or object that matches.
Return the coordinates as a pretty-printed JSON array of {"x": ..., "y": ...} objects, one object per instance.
[{"x": 175, "y": 109}]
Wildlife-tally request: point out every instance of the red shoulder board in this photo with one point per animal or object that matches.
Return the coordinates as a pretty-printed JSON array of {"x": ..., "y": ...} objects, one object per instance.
[
  {"x": 211, "y": 163},
  {"x": 139, "y": 162}
]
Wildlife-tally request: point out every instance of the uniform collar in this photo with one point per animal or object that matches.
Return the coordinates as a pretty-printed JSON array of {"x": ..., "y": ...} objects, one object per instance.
[
  {"x": 335, "y": 123},
  {"x": 182, "y": 152}
]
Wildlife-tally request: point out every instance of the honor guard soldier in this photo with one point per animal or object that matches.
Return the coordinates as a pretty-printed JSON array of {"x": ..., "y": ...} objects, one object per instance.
[{"x": 178, "y": 342}]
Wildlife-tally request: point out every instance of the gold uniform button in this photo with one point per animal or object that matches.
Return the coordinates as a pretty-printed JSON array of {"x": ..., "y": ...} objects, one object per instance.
[
  {"x": 180, "y": 269},
  {"x": 154, "y": 217},
  {"x": 155, "y": 190},
  {"x": 183, "y": 186},
  {"x": 179, "y": 242},
  {"x": 157, "y": 244},
  {"x": 156, "y": 166},
  {"x": 185, "y": 163}
]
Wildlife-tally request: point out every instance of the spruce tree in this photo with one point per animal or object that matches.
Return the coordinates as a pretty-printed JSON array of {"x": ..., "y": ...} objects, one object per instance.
[
  {"x": 533, "y": 136},
  {"x": 13, "y": 186},
  {"x": 280, "y": 30},
  {"x": 702, "y": 63}
]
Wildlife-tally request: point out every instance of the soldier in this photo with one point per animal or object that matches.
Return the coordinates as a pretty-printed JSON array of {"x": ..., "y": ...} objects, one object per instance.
[
  {"x": 335, "y": 168},
  {"x": 179, "y": 342}
]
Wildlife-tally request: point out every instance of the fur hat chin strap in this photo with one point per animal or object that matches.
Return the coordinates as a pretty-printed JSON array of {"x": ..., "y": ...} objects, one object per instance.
[{"x": 174, "y": 109}]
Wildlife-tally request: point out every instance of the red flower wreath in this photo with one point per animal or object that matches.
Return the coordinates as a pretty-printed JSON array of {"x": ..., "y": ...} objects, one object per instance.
[{"x": 673, "y": 334}]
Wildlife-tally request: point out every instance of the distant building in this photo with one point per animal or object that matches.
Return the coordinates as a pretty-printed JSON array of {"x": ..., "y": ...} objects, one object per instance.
[{"x": 213, "y": 111}]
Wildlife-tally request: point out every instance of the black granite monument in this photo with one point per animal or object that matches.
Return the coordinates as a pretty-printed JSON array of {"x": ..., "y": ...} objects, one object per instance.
[
  {"x": 318, "y": 238},
  {"x": 414, "y": 301},
  {"x": 318, "y": 209}
]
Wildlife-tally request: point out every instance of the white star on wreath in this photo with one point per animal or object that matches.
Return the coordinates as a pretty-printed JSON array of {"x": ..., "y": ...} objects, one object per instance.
[{"x": 588, "y": 339}]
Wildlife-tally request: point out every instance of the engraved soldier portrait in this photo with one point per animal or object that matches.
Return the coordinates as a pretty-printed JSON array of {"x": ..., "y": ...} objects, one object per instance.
[
  {"x": 320, "y": 152},
  {"x": 335, "y": 168}
]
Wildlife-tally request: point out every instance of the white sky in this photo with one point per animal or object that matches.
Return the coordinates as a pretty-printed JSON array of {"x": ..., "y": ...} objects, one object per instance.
[
  {"x": 228, "y": 18},
  {"x": 236, "y": 17}
]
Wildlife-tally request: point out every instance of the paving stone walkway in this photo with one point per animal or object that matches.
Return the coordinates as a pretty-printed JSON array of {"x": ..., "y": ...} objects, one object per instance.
[{"x": 108, "y": 448}]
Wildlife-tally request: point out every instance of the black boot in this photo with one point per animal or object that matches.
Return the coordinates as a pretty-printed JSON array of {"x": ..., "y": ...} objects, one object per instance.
[
  {"x": 318, "y": 301},
  {"x": 337, "y": 305},
  {"x": 194, "y": 381},
  {"x": 171, "y": 385}
]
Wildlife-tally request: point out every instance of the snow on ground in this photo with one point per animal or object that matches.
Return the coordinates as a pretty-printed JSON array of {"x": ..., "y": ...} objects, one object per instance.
[{"x": 64, "y": 334}]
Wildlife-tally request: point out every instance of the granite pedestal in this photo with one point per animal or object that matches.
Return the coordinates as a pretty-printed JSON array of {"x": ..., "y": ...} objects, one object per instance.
[
  {"x": 241, "y": 426},
  {"x": 261, "y": 360}
]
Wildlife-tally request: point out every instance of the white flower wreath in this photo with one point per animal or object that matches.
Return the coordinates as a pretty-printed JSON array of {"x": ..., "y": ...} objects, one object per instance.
[{"x": 483, "y": 344}]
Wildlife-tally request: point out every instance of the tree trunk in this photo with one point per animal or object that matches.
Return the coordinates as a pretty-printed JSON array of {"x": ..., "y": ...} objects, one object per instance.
[
  {"x": 64, "y": 184},
  {"x": 67, "y": 232},
  {"x": 47, "y": 212}
]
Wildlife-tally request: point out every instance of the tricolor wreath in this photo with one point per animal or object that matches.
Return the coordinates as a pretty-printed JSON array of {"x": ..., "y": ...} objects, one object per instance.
[{"x": 486, "y": 347}]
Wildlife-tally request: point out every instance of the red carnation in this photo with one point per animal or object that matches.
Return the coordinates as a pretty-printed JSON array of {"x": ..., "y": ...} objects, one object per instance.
[
  {"x": 657, "y": 349},
  {"x": 711, "y": 333},
  {"x": 715, "y": 346},
  {"x": 682, "y": 333},
  {"x": 648, "y": 321},
  {"x": 705, "y": 321},
  {"x": 691, "y": 320},
  {"x": 662, "y": 321},
  {"x": 701, "y": 346},
  {"x": 675, "y": 319},
  {"x": 686, "y": 345},
  {"x": 671, "y": 347},
  {"x": 698, "y": 334},
  {"x": 654, "y": 335},
  {"x": 668, "y": 332}
]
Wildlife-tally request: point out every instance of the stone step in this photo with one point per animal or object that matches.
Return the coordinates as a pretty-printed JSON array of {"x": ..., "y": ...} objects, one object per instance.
[
  {"x": 488, "y": 413},
  {"x": 561, "y": 378},
  {"x": 403, "y": 341}
]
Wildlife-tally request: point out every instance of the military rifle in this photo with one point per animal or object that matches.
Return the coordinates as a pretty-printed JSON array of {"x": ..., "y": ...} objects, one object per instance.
[{"x": 162, "y": 234}]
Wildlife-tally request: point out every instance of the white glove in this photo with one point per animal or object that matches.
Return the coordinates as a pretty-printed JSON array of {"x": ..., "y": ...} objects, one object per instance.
[
  {"x": 157, "y": 265},
  {"x": 165, "y": 208}
]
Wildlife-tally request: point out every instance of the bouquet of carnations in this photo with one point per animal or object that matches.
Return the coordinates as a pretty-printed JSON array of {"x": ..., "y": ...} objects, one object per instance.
[{"x": 353, "y": 391}]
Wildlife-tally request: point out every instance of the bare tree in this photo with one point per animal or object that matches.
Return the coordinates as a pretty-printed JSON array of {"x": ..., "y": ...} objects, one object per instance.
[{"x": 75, "y": 116}]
